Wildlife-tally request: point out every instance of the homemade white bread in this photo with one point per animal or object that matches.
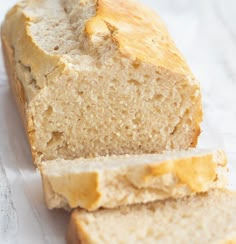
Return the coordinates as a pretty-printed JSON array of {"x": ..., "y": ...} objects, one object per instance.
[
  {"x": 98, "y": 77},
  {"x": 120, "y": 180},
  {"x": 202, "y": 219}
]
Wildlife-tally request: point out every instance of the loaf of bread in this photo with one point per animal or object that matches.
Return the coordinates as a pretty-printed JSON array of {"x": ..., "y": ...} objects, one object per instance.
[
  {"x": 207, "y": 218},
  {"x": 98, "y": 77},
  {"x": 121, "y": 180}
]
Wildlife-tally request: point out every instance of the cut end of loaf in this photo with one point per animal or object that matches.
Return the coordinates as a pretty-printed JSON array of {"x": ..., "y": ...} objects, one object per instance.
[{"x": 115, "y": 118}]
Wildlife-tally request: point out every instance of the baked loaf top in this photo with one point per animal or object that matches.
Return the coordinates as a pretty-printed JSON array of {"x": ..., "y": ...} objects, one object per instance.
[
  {"x": 98, "y": 78},
  {"x": 138, "y": 32},
  {"x": 204, "y": 218},
  {"x": 121, "y": 180}
]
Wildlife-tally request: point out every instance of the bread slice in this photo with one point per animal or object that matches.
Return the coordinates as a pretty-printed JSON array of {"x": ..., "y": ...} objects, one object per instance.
[
  {"x": 98, "y": 77},
  {"x": 205, "y": 218},
  {"x": 120, "y": 180}
]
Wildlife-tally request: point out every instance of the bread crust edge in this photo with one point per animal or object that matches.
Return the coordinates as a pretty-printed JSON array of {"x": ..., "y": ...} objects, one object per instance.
[{"x": 17, "y": 90}]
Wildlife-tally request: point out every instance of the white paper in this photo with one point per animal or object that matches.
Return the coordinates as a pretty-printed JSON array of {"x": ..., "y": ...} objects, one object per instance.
[{"x": 23, "y": 215}]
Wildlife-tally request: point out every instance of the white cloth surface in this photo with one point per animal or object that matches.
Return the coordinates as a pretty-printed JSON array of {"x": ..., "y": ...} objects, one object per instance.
[{"x": 205, "y": 32}]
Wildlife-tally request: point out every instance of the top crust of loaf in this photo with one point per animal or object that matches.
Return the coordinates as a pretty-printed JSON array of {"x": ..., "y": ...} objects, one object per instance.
[
  {"x": 16, "y": 32},
  {"x": 138, "y": 32}
]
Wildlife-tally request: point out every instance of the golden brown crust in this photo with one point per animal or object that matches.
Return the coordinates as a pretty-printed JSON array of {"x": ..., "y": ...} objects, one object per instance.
[
  {"x": 191, "y": 172},
  {"x": 79, "y": 189},
  {"x": 139, "y": 33},
  {"x": 17, "y": 88},
  {"x": 196, "y": 132},
  {"x": 15, "y": 84},
  {"x": 76, "y": 233},
  {"x": 196, "y": 172},
  {"x": 197, "y": 122},
  {"x": 230, "y": 239}
]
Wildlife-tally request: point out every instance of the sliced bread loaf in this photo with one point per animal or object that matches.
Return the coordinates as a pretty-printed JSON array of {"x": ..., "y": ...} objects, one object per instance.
[
  {"x": 98, "y": 77},
  {"x": 120, "y": 180},
  {"x": 205, "y": 218}
]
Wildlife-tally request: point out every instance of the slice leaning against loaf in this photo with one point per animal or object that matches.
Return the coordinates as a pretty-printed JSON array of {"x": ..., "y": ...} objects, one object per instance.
[
  {"x": 120, "y": 180},
  {"x": 208, "y": 218},
  {"x": 98, "y": 77}
]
